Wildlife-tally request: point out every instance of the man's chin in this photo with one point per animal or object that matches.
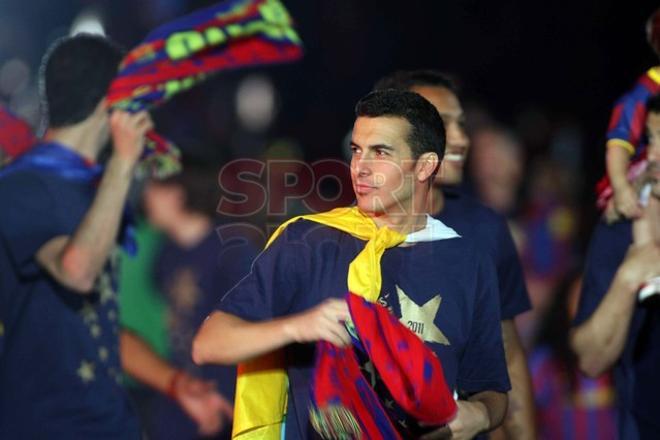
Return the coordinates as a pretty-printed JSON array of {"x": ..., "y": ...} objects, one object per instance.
[{"x": 369, "y": 206}]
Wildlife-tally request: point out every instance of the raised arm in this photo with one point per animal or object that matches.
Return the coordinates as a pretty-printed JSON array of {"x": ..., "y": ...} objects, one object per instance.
[
  {"x": 76, "y": 261},
  {"x": 599, "y": 341}
]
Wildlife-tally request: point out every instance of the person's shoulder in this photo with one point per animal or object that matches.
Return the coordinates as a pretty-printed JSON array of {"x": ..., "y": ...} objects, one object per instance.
[
  {"x": 470, "y": 205},
  {"x": 309, "y": 231},
  {"x": 27, "y": 177},
  {"x": 24, "y": 184},
  {"x": 462, "y": 247}
]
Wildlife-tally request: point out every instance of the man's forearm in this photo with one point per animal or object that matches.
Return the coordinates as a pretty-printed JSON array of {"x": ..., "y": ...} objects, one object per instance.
[
  {"x": 87, "y": 251},
  {"x": 519, "y": 422},
  {"x": 599, "y": 341},
  {"x": 141, "y": 363},
  {"x": 227, "y": 339}
]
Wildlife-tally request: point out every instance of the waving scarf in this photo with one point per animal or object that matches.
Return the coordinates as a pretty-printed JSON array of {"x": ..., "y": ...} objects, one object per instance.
[
  {"x": 57, "y": 160},
  {"x": 184, "y": 52},
  {"x": 261, "y": 387}
]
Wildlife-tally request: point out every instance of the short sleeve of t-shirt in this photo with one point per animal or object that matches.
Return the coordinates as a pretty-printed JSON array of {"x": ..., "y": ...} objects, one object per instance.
[
  {"x": 483, "y": 365},
  {"x": 607, "y": 249},
  {"x": 628, "y": 119},
  {"x": 276, "y": 277},
  {"x": 30, "y": 218},
  {"x": 513, "y": 292}
]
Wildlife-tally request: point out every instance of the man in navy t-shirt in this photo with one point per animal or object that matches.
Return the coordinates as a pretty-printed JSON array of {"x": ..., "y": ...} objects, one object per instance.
[
  {"x": 60, "y": 360},
  {"x": 436, "y": 282},
  {"x": 489, "y": 230},
  {"x": 611, "y": 328}
]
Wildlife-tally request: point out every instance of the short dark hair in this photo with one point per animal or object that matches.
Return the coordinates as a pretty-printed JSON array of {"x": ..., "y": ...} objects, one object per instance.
[
  {"x": 199, "y": 182},
  {"x": 75, "y": 75},
  {"x": 653, "y": 104},
  {"x": 407, "y": 79},
  {"x": 427, "y": 133}
]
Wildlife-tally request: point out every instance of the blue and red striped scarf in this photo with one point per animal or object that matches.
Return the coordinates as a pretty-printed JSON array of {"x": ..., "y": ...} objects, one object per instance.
[
  {"x": 184, "y": 52},
  {"x": 344, "y": 403}
]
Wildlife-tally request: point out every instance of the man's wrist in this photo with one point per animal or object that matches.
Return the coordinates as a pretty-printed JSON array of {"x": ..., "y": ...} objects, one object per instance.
[
  {"x": 628, "y": 281},
  {"x": 172, "y": 387},
  {"x": 484, "y": 418},
  {"x": 288, "y": 326},
  {"x": 125, "y": 166}
]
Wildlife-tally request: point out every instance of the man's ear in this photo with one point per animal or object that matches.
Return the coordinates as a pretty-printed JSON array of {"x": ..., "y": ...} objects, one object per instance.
[{"x": 427, "y": 166}]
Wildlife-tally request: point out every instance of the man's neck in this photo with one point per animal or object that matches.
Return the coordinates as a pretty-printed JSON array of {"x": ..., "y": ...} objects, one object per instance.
[
  {"x": 190, "y": 230},
  {"x": 436, "y": 201},
  {"x": 402, "y": 223},
  {"x": 80, "y": 138}
]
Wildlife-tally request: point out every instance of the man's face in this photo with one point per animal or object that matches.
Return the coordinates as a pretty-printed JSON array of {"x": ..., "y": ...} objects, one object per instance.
[
  {"x": 447, "y": 104},
  {"x": 653, "y": 132},
  {"x": 161, "y": 203},
  {"x": 382, "y": 166}
]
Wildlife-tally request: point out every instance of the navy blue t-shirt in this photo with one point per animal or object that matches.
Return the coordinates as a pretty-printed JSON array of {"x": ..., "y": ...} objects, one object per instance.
[
  {"x": 636, "y": 372},
  {"x": 193, "y": 281},
  {"x": 443, "y": 290},
  {"x": 470, "y": 218},
  {"x": 60, "y": 369}
]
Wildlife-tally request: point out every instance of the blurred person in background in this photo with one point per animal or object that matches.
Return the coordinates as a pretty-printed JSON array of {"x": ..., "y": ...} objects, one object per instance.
[
  {"x": 613, "y": 326},
  {"x": 547, "y": 223},
  {"x": 497, "y": 168},
  {"x": 472, "y": 219},
  {"x": 62, "y": 349},
  {"x": 194, "y": 268},
  {"x": 569, "y": 405}
]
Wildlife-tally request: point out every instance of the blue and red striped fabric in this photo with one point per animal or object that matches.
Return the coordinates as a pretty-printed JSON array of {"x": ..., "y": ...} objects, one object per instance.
[
  {"x": 628, "y": 119},
  {"x": 627, "y": 127},
  {"x": 184, "y": 52},
  {"x": 344, "y": 403}
]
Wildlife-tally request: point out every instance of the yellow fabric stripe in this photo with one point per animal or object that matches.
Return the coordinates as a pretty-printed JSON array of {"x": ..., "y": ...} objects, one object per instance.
[
  {"x": 261, "y": 385},
  {"x": 630, "y": 148},
  {"x": 654, "y": 74}
]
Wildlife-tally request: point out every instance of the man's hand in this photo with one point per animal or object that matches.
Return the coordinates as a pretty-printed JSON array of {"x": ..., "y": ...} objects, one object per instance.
[
  {"x": 324, "y": 322},
  {"x": 128, "y": 132},
  {"x": 642, "y": 262},
  {"x": 471, "y": 419},
  {"x": 203, "y": 403}
]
